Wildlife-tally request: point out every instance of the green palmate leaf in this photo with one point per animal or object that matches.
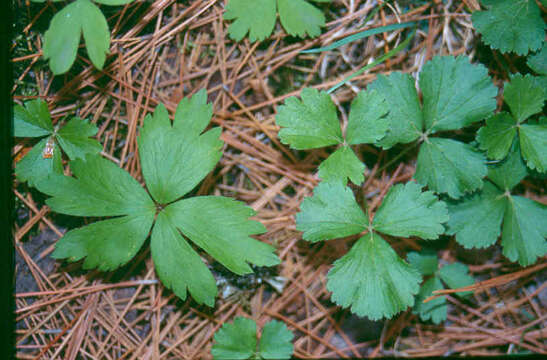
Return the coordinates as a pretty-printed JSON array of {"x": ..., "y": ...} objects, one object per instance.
[
  {"x": 533, "y": 145},
  {"x": 106, "y": 244},
  {"x": 511, "y": 25},
  {"x": 373, "y": 279},
  {"x": 33, "y": 167},
  {"x": 299, "y": 18},
  {"x": 310, "y": 123},
  {"x": 162, "y": 146},
  {"x": 75, "y": 141},
  {"x": 456, "y": 275},
  {"x": 498, "y": 135},
  {"x": 175, "y": 260},
  {"x": 100, "y": 189},
  {"x": 476, "y": 220},
  {"x": 434, "y": 310},
  {"x": 456, "y": 93},
  {"x": 220, "y": 226},
  {"x": 331, "y": 213},
  {"x": 64, "y": 33},
  {"x": 236, "y": 340},
  {"x": 32, "y": 120},
  {"x": 275, "y": 342},
  {"x": 341, "y": 165},
  {"x": 405, "y": 115},
  {"x": 508, "y": 173},
  {"x": 367, "y": 122},
  {"x": 256, "y": 17},
  {"x": 538, "y": 62},
  {"x": 426, "y": 263},
  {"x": 407, "y": 211},
  {"x": 524, "y": 96},
  {"x": 449, "y": 166},
  {"x": 524, "y": 230}
]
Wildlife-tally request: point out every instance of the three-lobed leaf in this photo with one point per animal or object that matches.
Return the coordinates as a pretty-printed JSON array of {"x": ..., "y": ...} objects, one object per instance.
[
  {"x": 238, "y": 340},
  {"x": 33, "y": 120}
]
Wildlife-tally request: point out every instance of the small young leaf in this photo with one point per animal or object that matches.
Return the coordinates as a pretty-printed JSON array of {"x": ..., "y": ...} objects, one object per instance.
[
  {"x": 299, "y": 17},
  {"x": 175, "y": 259},
  {"x": 449, "y": 166},
  {"x": 367, "y": 122},
  {"x": 511, "y": 25},
  {"x": 456, "y": 93},
  {"x": 275, "y": 342},
  {"x": 106, "y": 244},
  {"x": 405, "y": 122},
  {"x": 341, "y": 165},
  {"x": 310, "y": 123},
  {"x": 33, "y": 167},
  {"x": 75, "y": 141},
  {"x": 476, "y": 220},
  {"x": 256, "y": 17},
  {"x": 425, "y": 263},
  {"x": 533, "y": 145},
  {"x": 330, "y": 213},
  {"x": 456, "y": 276},
  {"x": 407, "y": 211},
  {"x": 498, "y": 135},
  {"x": 32, "y": 120},
  {"x": 220, "y": 226},
  {"x": 524, "y": 230},
  {"x": 434, "y": 310},
  {"x": 235, "y": 340},
  {"x": 524, "y": 96},
  {"x": 373, "y": 279}
]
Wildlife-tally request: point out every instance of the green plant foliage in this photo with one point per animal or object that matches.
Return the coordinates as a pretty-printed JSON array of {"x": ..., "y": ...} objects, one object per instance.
[
  {"x": 511, "y": 25},
  {"x": 33, "y": 120},
  {"x": 455, "y": 275},
  {"x": 238, "y": 340},
  {"x": 313, "y": 123},
  {"x": 477, "y": 220},
  {"x": 174, "y": 159},
  {"x": 62, "y": 38},
  {"x": 257, "y": 17},
  {"x": 455, "y": 94},
  {"x": 371, "y": 277},
  {"x": 524, "y": 97}
]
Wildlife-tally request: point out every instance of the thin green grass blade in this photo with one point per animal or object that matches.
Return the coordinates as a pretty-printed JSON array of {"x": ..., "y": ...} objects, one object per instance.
[
  {"x": 380, "y": 60},
  {"x": 360, "y": 35}
]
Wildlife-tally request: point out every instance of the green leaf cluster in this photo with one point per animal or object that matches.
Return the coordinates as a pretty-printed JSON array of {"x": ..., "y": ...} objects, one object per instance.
[
  {"x": 175, "y": 157},
  {"x": 478, "y": 219},
  {"x": 455, "y": 94},
  {"x": 510, "y": 25},
  {"x": 371, "y": 277},
  {"x": 238, "y": 340},
  {"x": 257, "y": 17},
  {"x": 62, "y": 38},
  {"x": 454, "y": 275},
  {"x": 33, "y": 120},
  {"x": 525, "y": 96},
  {"x": 313, "y": 123}
]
